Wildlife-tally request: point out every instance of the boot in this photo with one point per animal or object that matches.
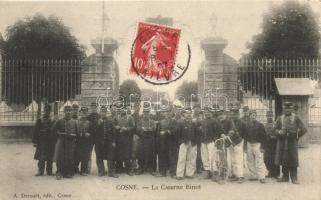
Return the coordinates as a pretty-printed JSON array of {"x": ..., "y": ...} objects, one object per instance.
[
  {"x": 40, "y": 173},
  {"x": 208, "y": 174},
  {"x": 49, "y": 168}
]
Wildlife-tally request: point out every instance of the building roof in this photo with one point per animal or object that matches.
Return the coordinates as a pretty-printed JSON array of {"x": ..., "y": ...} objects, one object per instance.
[{"x": 294, "y": 86}]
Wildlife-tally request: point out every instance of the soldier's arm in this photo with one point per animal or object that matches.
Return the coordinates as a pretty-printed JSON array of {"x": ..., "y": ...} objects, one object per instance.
[
  {"x": 301, "y": 127},
  {"x": 35, "y": 135}
]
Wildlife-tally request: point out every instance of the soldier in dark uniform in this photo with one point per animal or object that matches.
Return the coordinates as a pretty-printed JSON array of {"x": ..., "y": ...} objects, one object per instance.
[
  {"x": 137, "y": 144},
  {"x": 75, "y": 110},
  {"x": 74, "y": 115},
  {"x": 95, "y": 137},
  {"x": 66, "y": 130},
  {"x": 197, "y": 119},
  {"x": 145, "y": 129},
  {"x": 289, "y": 129},
  {"x": 107, "y": 129},
  {"x": 161, "y": 142},
  {"x": 124, "y": 136},
  {"x": 44, "y": 141},
  {"x": 176, "y": 126},
  {"x": 270, "y": 147},
  {"x": 82, "y": 152}
]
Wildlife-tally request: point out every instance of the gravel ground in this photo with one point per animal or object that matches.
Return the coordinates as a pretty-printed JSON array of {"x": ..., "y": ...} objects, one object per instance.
[{"x": 17, "y": 171}]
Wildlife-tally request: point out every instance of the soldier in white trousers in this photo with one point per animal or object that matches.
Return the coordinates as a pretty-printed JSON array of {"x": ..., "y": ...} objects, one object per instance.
[
  {"x": 255, "y": 138},
  {"x": 186, "y": 165},
  {"x": 211, "y": 131}
]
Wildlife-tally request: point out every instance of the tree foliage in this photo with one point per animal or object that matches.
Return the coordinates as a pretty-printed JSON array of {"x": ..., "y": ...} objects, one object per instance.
[
  {"x": 41, "y": 38},
  {"x": 41, "y": 61},
  {"x": 186, "y": 90},
  {"x": 289, "y": 31},
  {"x": 127, "y": 88}
]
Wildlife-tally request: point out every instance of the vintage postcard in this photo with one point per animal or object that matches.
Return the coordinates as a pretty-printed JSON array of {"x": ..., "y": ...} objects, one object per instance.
[{"x": 115, "y": 100}]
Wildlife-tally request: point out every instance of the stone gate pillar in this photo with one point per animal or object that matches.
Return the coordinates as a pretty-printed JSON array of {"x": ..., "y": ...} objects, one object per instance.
[
  {"x": 100, "y": 74},
  {"x": 217, "y": 77}
]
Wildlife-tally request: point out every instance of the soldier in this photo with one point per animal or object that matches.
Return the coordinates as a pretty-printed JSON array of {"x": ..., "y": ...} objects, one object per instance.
[
  {"x": 197, "y": 118},
  {"x": 176, "y": 126},
  {"x": 255, "y": 138},
  {"x": 107, "y": 150},
  {"x": 93, "y": 118},
  {"x": 211, "y": 131},
  {"x": 289, "y": 129},
  {"x": 75, "y": 110},
  {"x": 145, "y": 129},
  {"x": 270, "y": 147},
  {"x": 74, "y": 115},
  {"x": 236, "y": 149},
  {"x": 186, "y": 164},
  {"x": 44, "y": 141},
  {"x": 66, "y": 130},
  {"x": 124, "y": 132},
  {"x": 82, "y": 151},
  {"x": 137, "y": 144},
  {"x": 161, "y": 142}
]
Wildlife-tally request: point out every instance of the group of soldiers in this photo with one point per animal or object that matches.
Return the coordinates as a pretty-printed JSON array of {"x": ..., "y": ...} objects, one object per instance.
[{"x": 175, "y": 141}]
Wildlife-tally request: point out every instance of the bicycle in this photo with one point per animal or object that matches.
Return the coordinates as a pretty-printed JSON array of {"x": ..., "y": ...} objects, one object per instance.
[{"x": 222, "y": 154}]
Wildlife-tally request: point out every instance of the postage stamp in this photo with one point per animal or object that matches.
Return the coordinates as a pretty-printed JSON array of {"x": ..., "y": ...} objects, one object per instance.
[{"x": 154, "y": 53}]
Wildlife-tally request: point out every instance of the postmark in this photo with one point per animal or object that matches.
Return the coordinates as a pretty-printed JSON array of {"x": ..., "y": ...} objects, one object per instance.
[{"x": 159, "y": 55}]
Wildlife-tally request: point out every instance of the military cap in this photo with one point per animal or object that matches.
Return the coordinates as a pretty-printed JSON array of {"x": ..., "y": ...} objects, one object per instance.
[
  {"x": 75, "y": 106},
  {"x": 187, "y": 111},
  {"x": 252, "y": 111},
  {"x": 84, "y": 109},
  {"x": 287, "y": 105},
  {"x": 220, "y": 111},
  {"x": 207, "y": 108},
  {"x": 67, "y": 108}
]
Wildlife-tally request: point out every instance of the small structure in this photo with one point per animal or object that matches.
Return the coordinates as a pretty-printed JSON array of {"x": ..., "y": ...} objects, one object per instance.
[{"x": 297, "y": 91}]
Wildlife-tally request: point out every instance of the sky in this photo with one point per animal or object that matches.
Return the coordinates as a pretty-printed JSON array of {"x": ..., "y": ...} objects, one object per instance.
[{"x": 238, "y": 22}]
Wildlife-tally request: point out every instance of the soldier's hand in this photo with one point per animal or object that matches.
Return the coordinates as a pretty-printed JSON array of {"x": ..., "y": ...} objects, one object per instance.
[
  {"x": 87, "y": 134},
  {"x": 281, "y": 132},
  {"x": 162, "y": 132},
  {"x": 113, "y": 144}
]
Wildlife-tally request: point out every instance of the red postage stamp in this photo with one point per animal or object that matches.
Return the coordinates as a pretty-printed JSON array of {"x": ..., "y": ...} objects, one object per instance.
[{"x": 154, "y": 51}]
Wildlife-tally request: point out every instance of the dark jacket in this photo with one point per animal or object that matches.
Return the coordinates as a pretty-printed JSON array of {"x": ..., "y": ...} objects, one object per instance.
[
  {"x": 231, "y": 130},
  {"x": 211, "y": 130},
  {"x": 287, "y": 144},
  {"x": 256, "y": 133},
  {"x": 188, "y": 133},
  {"x": 44, "y": 139}
]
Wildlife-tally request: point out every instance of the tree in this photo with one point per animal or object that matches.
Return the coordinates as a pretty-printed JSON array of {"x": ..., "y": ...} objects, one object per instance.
[
  {"x": 41, "y": 38},
  {"x": 131, "y": 92},
  {"x": 290, "y": 31},
  {"x": 42, "y": 61},
  {"x": 186, "y": 90}
]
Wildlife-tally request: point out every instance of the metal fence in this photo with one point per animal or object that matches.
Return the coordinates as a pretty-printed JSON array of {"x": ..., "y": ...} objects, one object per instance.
[
  {"x": 258, "y": 89},
  {"x": 24, "y": 83}
]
